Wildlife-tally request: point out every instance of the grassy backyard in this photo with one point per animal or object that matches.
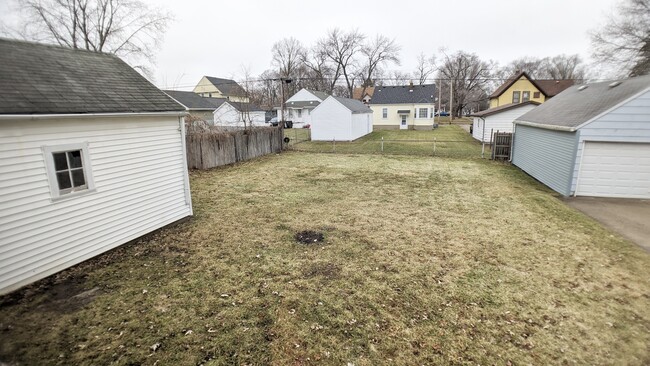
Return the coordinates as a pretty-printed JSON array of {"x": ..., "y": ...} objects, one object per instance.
[
  {"x": 425, "y": 261},
  {"x": 449, "y": 141}
]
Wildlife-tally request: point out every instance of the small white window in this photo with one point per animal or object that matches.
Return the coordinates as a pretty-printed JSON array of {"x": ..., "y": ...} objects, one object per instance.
[
  {"x": 384, "y": 113},
  {"x": 423, "y": 113},
  {"x": 68, "y": 170}
]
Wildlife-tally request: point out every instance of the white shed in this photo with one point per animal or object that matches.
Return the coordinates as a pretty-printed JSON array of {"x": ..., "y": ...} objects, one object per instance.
[
  {"x": 239, "y": 115},
  {"x": 92, "y": 156},
  {"x": 498, "y": 119},
  {"x": 340, "y": 119}
]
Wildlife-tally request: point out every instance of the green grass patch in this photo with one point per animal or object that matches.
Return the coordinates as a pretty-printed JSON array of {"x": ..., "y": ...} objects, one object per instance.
[
  {"x": 450, "y": 141},
  {"x": 424, "y": 261}
]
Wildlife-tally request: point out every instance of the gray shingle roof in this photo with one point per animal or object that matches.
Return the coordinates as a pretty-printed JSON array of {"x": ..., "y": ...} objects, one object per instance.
[
  {"x": 354, "y": 105},
  {"x": 242, "y": 107},
  {"x": 303, "y": 104},
  {"x": 43, "y": 79},
  {"x": 404, "y": 95},
  {"x": 502, "y": 108},
  {"x": 227, "y": 87},
  {"x": 319, "y": 94},
  {"x": 574, "y": 106},
  {"x": 193, "y": 101}
]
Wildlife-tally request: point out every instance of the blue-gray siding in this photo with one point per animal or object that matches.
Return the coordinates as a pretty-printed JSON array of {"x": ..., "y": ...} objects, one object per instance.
[
  {"x": 629, "y": 122},
  {"x": 547, "y": 155}
]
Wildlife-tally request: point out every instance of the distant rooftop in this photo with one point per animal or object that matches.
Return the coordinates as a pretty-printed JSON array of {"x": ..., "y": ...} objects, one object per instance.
[{"x": 407, "y": 94}]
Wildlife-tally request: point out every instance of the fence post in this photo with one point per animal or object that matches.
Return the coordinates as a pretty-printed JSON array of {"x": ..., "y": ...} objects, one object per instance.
[
  {"x": 434, "y": 146},
  {"x": 382, "y": 144}
]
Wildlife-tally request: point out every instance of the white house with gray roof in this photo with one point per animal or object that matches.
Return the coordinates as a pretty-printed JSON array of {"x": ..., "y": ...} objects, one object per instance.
[
  {"x": 589, "y": 140},
  {"x": 404, "y": 107},
  {"x": 299, "y": 107},
  {"x": 92, "y": 156},
  {"x": 340, "y": 119},
  {"x": 198, "y": 107}
]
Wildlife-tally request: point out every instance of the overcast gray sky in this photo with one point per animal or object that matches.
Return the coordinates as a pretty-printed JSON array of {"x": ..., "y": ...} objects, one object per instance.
[{"x": 218, "y": 38}]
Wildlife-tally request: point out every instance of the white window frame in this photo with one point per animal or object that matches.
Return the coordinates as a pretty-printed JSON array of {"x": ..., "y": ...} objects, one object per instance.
[
  {"x": 426, "y": 111},
  {"x": 55, "y": 193},
  {"x": 384, "y": 113}
]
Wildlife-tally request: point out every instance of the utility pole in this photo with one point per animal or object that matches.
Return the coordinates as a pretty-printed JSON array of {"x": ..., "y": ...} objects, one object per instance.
[
  {"x": 439, "y": 98},
  {"x": 451, "y": 100}
]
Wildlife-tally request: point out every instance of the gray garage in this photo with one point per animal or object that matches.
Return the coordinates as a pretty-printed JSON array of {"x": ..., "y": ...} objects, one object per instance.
[{"x": 590, "y": 140}]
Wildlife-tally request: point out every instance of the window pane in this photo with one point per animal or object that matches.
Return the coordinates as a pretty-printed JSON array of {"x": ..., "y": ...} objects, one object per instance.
[
  {"x": 424, "y": 112},
  {"x": 75, "y": 158},
  {"x": 78, "y": 178},
  {"x": 60, "y": 162},
  {"x": 63, "y": 178}
]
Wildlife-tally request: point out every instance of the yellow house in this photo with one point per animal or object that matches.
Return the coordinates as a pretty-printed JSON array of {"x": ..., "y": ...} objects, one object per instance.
[
  {"x": 211, "y": 87},
  {"x": 521, "y": 88},
  {"x": 403, "y": 107}
]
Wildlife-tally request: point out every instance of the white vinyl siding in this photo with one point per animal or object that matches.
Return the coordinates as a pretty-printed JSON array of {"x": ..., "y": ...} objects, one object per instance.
[
  {"x": 140, "y": 180},
  {"x": 331, "y": 120},
  {"x": 502, "y": 122},
  {"x": 227, "y": 116}
]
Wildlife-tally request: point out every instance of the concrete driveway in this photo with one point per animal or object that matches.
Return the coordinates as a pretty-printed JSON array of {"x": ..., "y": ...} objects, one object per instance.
[{"x": 628, "y": 217}]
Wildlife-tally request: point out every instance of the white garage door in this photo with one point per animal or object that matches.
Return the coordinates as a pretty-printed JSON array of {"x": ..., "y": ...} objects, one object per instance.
[{"x": 611, "y": 169}]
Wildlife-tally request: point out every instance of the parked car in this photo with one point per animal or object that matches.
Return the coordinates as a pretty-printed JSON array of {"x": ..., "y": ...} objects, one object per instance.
[
  {"x": 442, "y": 114},
  {"x": 273, "y": 121}
]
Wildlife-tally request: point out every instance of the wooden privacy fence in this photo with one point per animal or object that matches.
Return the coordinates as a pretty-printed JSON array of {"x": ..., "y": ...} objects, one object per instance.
[
  {"x": 209, "y": 149},
  {"x": 501, "y": 145}
]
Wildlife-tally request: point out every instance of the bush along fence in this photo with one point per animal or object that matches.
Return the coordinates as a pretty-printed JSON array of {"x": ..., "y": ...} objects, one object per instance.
[{"x": 209, "y": 149}]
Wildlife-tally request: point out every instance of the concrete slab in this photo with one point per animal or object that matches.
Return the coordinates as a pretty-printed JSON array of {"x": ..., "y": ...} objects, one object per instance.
[{"x": 628, "y": 217}]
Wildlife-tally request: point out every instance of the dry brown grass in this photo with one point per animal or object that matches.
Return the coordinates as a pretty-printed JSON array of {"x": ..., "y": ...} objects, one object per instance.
[{"x": 425, "y": 261}]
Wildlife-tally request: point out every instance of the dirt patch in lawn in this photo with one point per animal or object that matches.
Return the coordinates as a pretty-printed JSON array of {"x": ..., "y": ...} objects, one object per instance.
[{"x": 309, "y": 237}]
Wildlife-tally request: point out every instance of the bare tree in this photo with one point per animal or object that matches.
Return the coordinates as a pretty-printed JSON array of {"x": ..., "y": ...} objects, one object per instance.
[
  {"x": 288, "y": 54},
  {"x": 127, "y": 28},
  {"x": 533, "y": 66},
  {"x": 378, "y": 52},
  {"x": 393, "y": 78},
  {"x": 319, "y": 72},
  {"x": 426, "y": 66},
  {"x": 468, "y": 76},
  {"x": 623, "y": 43},
  {"x": 341, "y": 48},
  {"x": 563, "y": 67}
]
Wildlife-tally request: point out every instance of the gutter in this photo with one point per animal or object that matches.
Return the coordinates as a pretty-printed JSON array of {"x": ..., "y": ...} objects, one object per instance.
[
  {"x": 547, "y": 127},
  {"x": 33, "y": 117}
]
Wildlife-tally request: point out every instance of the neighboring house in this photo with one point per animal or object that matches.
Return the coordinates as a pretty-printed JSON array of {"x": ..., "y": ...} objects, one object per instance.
[
  {"x": 498, "y": 119},
  {"x": 363, "y": 94},
  {"x": 239, "y": 115},
  {"x": 404, "y": 107},
  {"x": 198, "y": 107},
  {"x": 92, "y": 156},
  {"x": 340, "y": 119},
  {"x": 521, "y": 88},
  {"x": 590, "y": 140},
  {"x": 298, "y": 108},
  {"x": 211, "y": 87}
]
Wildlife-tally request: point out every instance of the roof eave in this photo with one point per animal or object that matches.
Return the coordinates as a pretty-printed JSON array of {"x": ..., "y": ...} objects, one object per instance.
[
  {"x": 547, "y": 127},
  {"x": 83, "y": 115}
]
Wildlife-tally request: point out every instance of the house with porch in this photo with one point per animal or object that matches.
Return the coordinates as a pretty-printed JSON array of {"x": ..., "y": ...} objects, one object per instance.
[{"x": 404, "y": 107}]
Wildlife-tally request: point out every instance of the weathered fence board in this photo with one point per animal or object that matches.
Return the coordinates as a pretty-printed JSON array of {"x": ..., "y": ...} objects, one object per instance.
[
  {"x": 209, "y": 149},
  {"x": 501, "y": 145}
]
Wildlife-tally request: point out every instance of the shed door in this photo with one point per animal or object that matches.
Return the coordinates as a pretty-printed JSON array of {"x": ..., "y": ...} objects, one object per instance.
[{"x": 615, "y": 169}]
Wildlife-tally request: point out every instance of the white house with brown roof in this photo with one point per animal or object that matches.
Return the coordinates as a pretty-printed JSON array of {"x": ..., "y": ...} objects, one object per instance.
[{"x": 89, "y": 159}]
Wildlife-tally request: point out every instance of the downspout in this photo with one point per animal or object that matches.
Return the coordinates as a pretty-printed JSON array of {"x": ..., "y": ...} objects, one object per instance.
[
  {"x": 483, "y": 139},
  {"x": 186, "y": 177},
  {"x": 512, "y": 141}
]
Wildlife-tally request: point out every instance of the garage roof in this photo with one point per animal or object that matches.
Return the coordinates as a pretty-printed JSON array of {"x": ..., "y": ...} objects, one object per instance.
[
  {"x": 582, "y": 103},
  {"x": 503, "y": 108},
  {"x": 44, "y": 79}
]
